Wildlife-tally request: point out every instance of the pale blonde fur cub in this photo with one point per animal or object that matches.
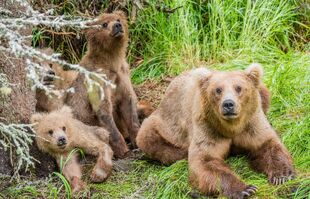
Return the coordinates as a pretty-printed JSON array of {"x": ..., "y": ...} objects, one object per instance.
[{"x": 58, "y": 133}]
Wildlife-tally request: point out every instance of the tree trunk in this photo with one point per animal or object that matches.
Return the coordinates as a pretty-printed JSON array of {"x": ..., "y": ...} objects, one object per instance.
[{"x": 19, "y": 105}]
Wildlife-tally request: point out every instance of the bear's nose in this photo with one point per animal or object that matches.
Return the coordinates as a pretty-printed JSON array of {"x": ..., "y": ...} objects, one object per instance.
[
  {"x": 50, "y": 72},
  {"x": 47, "y": 80},
  {"x": 228, "y": 105},
  {"x": 118, "y": 26},
  {"x": 61, "y": 141}
]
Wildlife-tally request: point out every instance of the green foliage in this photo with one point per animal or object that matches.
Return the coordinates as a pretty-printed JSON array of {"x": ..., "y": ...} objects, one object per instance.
[
  {"x": 38, "y": 36},
  {"x": 60, "y": 175},
  {"x": 170, "y": 182},
  {"x": 213, "y": 31},
  {"x": 65, "y": 184}
]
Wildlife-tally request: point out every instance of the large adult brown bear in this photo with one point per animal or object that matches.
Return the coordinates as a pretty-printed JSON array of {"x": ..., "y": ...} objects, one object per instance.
[
  {"x": 106, "y": 53},
  {"x": 205, "y": 114}
]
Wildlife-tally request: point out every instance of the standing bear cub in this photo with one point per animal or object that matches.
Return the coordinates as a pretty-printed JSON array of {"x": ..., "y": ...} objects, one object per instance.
[
  {"x": 203, "y": 116},
  {"x": 58, "y": 133}
]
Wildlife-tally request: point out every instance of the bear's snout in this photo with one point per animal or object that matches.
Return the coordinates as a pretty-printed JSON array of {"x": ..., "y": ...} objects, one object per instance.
[
  {"x": 49, "y": 77},
  {"x": 228, "y": 107},
  {"x": 117, "y": 30},
  {"x": 62, "y": 141}
]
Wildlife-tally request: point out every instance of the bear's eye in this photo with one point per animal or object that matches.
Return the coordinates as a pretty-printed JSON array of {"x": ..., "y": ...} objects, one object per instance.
[
  {"x": 118, "y": 20},
  {"x": 105, "y": 25},
  {"x": 218, "y": 90},
  {"x": 238, "y": 89},
  {"x": 64, "y": 128},
  {"x": 51, "y": 65},
  {"x": 50, "y": 132}
]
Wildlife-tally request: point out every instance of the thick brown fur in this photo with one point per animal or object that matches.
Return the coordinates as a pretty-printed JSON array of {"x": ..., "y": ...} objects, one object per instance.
[
  {"x": 195, "y": 121},
  {"x": 144, "y": 109},
  {"x": 59, "y": 79},
  {"x": 58, "y": 133},
  {"x": 265, "y": 95},
  {"x": 107, "y": 53}
]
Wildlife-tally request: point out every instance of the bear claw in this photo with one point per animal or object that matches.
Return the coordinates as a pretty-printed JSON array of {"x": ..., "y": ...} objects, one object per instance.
[
  {"x": 281, "y": 180},
  {"x": 251, "y": 189},
  {"x": 247, "y": 192}
]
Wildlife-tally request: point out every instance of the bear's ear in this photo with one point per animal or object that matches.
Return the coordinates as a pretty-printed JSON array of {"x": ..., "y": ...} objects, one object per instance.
[
  {"x": 66, "y": 110},
  {"x": 37, "y": 117},
  {"x": 121, "y": 14},
  {"x": 204, "y": 80},
  {"x": 255, "y": 73}
]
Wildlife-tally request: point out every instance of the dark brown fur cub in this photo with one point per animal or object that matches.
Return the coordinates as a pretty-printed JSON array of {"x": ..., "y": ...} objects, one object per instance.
[
  {"x": 206, "y": 113},
  {"x": 106, "y": 53}
]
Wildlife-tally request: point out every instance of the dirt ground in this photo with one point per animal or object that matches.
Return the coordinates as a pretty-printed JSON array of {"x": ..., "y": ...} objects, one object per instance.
[{"x": 152, "y": 91}]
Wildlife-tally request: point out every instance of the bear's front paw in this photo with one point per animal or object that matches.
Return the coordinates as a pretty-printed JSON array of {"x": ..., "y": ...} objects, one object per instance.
[
  {"x": 281, "y": 176},
  {"x": 119, "y": 151},
  {"x": 241, "y": 194},
  {"x": 77, "y": 184},
  {"x": 98, "y": 175}
]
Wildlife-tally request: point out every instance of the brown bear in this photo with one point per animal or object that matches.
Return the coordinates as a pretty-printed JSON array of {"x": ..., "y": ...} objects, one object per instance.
[
  {"x": 106, "y": 53},
  {"x": 58, "y": 133},
  {"x": 59, "y": 79},
  {"x": 206, "y": 114}
]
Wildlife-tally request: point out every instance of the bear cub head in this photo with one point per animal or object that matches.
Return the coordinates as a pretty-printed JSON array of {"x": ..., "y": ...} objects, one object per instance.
[
  {"x": 111, "y": 31},
  {"x": 232, "y": 96},
  {"x": 55, "y": 75},
  {"x": 53, "y": 130}
]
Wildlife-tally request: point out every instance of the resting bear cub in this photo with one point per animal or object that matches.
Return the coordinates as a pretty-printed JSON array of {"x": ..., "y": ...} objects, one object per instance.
[
  {"x": 106, "y": 53},
  {"x": 204, "y": 115},
  {"x": 58, "y": 133}
]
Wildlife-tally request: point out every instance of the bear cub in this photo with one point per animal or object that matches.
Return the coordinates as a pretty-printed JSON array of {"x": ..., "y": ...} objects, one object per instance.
[
  {"x": 58, "y": 133},
  {"x": 106, "y": 53},
  {"x": 57, "y": 77}
]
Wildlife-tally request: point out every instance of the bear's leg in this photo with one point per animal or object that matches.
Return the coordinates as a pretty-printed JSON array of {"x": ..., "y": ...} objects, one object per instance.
[
  {"x": 103, "y": 166},
  {"x": 126, "y": 98},
  {"x": 155, "y": 146},
  {"x": 105, "y": 118},
  {"x": 211, "y": 175},
  {"x": 129, "y": 116},
  {"x": 72, "y": 171},
  {"x": 117, "y": 141},
  {"x": 274, "y": 160},
  {"x": 120, "y": 123}
]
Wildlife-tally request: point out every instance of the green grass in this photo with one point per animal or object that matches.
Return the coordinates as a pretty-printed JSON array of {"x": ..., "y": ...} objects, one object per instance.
[
  {"x": 224, "y": 35},
  {"x": 204, "y": 32}
]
